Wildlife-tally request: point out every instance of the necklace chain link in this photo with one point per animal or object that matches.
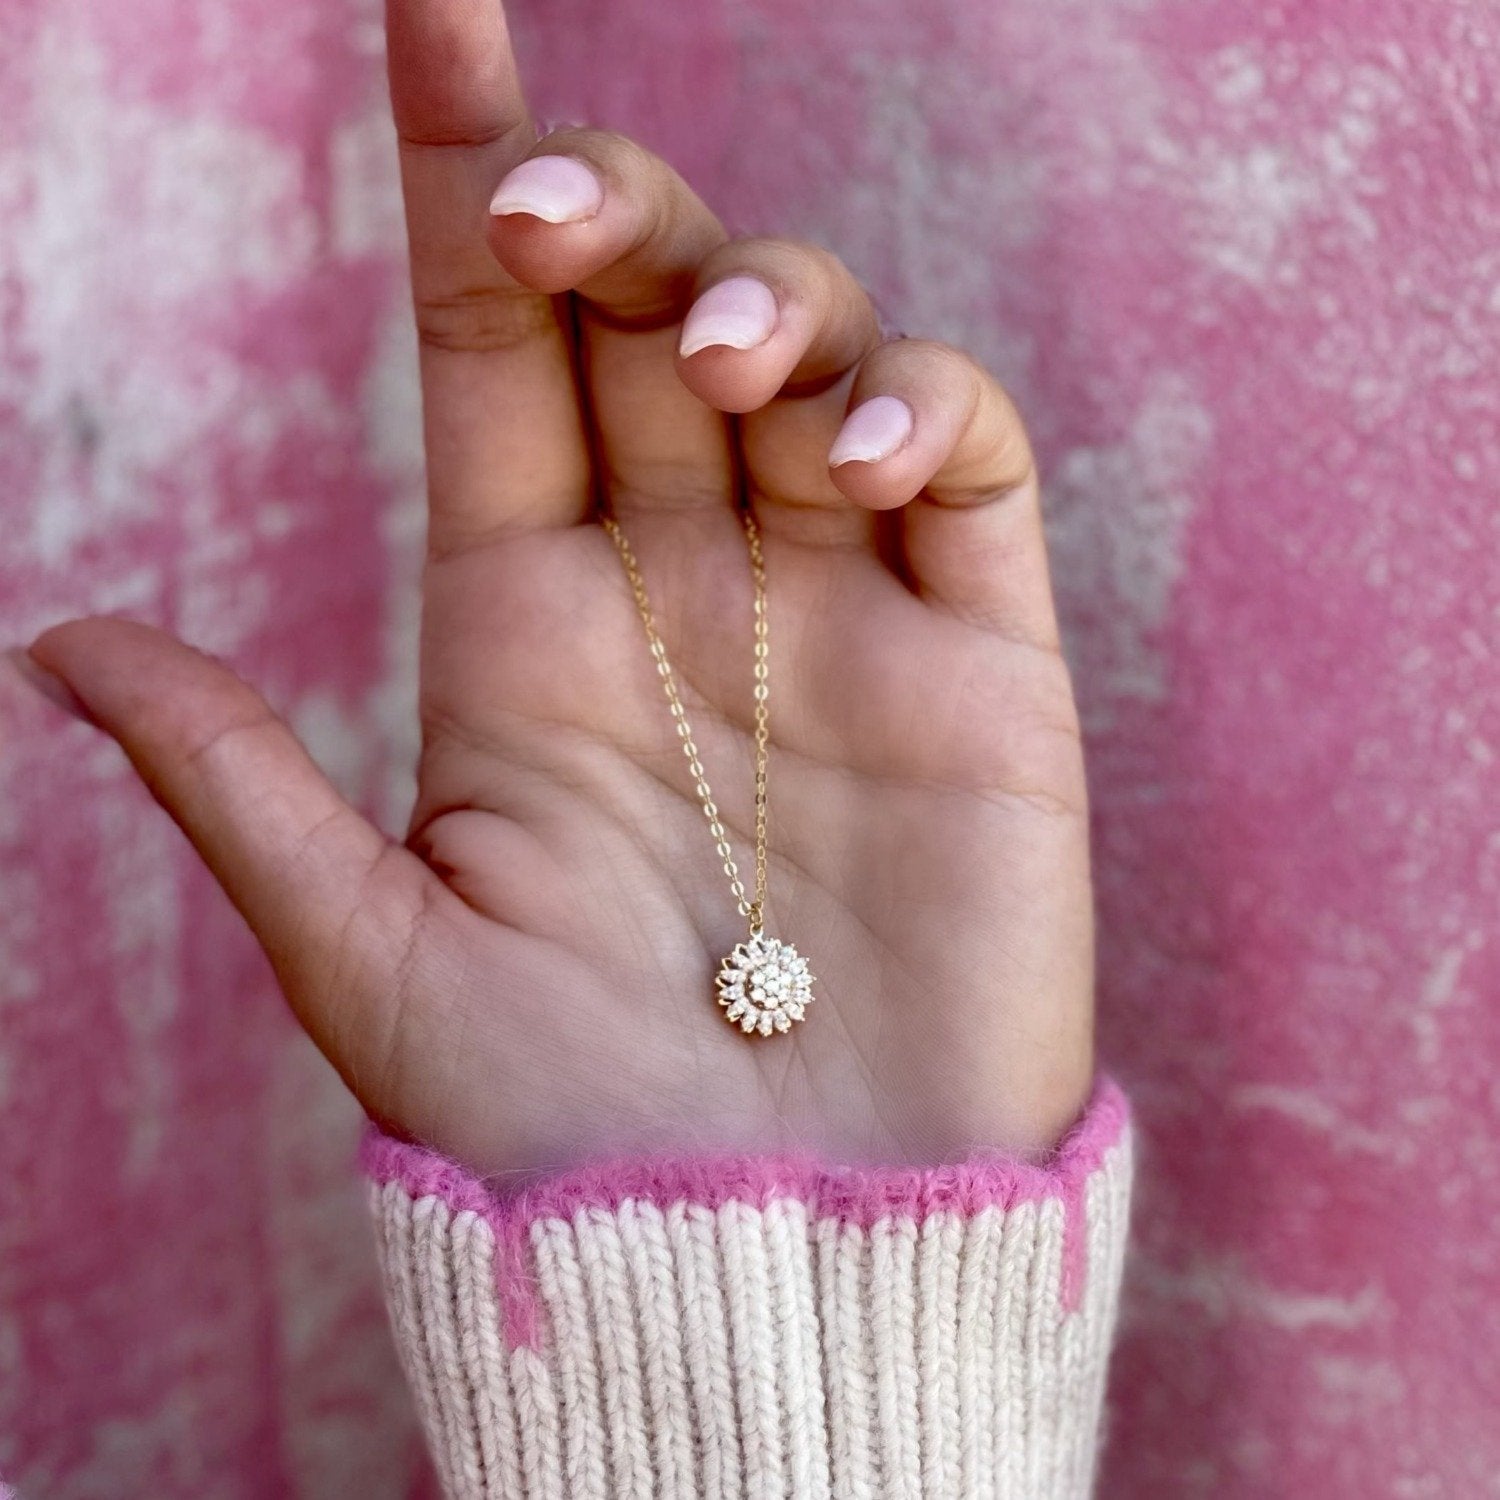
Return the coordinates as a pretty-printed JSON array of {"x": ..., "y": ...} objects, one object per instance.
[{"x": 751, "y": 908}]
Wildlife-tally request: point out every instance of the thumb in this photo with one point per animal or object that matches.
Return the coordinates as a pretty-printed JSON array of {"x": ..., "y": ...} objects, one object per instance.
[{"x": 335, "y": 904}]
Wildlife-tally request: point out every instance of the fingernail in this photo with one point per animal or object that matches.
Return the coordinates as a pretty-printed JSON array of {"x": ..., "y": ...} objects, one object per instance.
[
  {"x": 25, "y": 667},
  {"x": 739, "y": 313},
  {"x": 875, "y": 429},
  {"x": 559, "y": 189}
]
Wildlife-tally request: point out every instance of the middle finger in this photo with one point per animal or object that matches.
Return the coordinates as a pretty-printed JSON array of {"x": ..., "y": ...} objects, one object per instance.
[{"x": 594, "y": 214}]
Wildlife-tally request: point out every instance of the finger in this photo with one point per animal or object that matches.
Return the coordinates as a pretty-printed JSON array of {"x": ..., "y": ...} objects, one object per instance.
[
  {"x": 504, "y": 437},
  {"x": 595, "y": 214},
  {"x": 332, "y": 901},
  {"x": 773, "y": 317},
  {"x": 776, "y": 330},
  {"x": 930, "y": 430}
]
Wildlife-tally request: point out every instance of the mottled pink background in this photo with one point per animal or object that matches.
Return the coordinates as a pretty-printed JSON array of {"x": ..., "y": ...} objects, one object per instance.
[{"x": 1241, "y": 265}]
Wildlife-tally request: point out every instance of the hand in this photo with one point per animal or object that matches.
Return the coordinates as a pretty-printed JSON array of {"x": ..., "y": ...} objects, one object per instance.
[{"x": 528, "y": 979}]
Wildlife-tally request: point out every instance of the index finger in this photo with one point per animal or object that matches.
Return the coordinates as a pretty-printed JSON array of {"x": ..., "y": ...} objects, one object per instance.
[{"x": 504, "y": 437}]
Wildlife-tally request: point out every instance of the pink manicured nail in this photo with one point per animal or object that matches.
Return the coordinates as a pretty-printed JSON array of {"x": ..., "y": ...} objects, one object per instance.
[
  {"x": 559, "y": 189},
  {"x": 24, "y": 668},
  {"x": 739, "y": 313},
  {"x": 875, "y": 429}
]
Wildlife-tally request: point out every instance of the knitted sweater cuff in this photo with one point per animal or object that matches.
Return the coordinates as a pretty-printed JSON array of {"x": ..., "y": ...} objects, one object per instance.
[{"x": 763, "y": 1326}]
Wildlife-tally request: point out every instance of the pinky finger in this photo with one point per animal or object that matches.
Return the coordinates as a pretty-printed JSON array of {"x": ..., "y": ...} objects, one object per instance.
[{"x": 931, "y": 430}]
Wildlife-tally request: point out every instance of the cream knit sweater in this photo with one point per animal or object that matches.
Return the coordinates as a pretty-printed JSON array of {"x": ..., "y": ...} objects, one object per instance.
[{"x": 753, "y": 1329}]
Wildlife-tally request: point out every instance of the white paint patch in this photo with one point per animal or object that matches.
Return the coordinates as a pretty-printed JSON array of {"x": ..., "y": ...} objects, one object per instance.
[
  {"x": 1440, "y": 987},
  {"x": 162, "y": 221},
  {"x": 18, "y": 892},
  {"x": 345, "y": 1415},
  {"x": 1116, "y": 516},
  {"x": 139, "y": 869},
  {"x": 1250, "y": 194},
  {"x": 128, "y": 1451},
  {"x": 1309, "y": 1107},
  {"x": 1236, "y": 76},
  {"x": 367, "y": 214},
  {"x": 1369, "y": 1382},
  {"x": 1441, "y": 983},
  {"x": 337, "y": 739},
  {"x": 1248, "y": 202},
  {"x": 929, "y": 208},
  {"x": 391, "y": 402},
  {"x": 1220, "y": 1290},
  {"x": 392, "y": 408}
]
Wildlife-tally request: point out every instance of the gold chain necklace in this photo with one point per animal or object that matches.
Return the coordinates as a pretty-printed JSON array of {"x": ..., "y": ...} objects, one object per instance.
[{"x": 764, "y": 985}]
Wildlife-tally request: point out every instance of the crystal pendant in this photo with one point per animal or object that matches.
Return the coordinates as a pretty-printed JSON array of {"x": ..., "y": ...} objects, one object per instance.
[{"x": 764, "y": 985}]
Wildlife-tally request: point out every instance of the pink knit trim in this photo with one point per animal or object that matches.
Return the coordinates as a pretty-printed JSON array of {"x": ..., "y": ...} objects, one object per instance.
[{"x": 851, "y": 1194}]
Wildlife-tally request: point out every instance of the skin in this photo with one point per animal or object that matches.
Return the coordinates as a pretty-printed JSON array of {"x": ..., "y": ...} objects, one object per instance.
[{"x": 526, "y": 980}]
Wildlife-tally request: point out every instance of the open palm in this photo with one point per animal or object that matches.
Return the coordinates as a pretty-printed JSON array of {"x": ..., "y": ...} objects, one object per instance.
[{"x": 527, "y": 980}]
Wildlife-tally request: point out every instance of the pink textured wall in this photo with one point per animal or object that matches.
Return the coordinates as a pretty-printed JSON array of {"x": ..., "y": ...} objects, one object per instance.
[{"x": 1240, "y": 265}]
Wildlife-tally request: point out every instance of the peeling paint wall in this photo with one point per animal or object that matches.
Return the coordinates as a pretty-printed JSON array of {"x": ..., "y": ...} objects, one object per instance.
[{"x": 1241, "y": 267}]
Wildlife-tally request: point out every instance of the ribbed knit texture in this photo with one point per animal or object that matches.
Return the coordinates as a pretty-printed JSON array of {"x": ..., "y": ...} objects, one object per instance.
[{"x": 753, "y": 1330}]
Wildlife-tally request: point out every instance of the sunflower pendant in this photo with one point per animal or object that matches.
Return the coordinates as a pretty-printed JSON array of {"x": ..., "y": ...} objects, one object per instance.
[{"x": 764, "y": 985}]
